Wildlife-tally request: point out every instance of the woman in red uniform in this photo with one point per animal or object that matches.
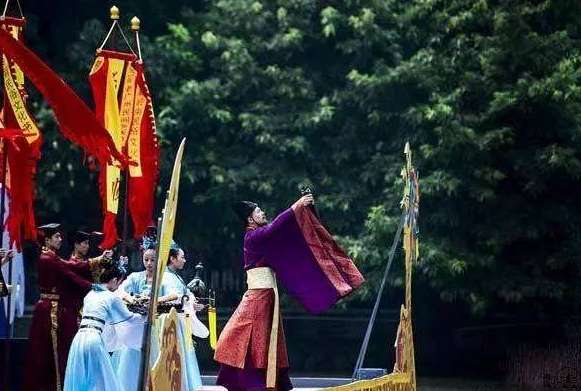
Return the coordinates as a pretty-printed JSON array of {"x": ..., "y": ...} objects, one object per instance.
[{"x": 55, "y": 317}]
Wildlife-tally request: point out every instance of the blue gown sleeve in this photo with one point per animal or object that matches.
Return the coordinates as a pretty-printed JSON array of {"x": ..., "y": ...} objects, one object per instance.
[
  {"x": 118, "y": 311},
  {"x": 171, "y": 285},
  {"x": 128, "y": 286}
]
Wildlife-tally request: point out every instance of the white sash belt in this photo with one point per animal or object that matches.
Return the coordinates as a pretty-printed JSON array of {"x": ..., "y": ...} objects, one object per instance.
[
  {"x": 260, "y": 278},
  {"x": 264, "y": 278}
]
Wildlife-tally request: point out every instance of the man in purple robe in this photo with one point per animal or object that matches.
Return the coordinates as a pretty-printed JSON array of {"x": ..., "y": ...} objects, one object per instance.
[{"x": 299, "y": 252}]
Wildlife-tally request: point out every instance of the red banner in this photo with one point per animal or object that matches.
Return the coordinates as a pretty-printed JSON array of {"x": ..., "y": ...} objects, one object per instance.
[
  {"x": 142, "y": 143},
  {"x": 77, "y": 122},
  {"x": 22, "y": 147},
  {"x": 123, "y": 106}
]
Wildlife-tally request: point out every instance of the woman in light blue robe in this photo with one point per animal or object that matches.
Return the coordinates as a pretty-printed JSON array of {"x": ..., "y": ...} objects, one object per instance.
[
  {"x": 127, "y": 361},
  {"x": 174, "y": 289},
  {"x": 89, "y": 366}
]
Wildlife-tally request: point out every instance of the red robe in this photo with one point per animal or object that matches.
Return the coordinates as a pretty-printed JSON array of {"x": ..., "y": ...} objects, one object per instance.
[
  {"x": 75, "y": 296},
  {"x": 55, "y": 320}
]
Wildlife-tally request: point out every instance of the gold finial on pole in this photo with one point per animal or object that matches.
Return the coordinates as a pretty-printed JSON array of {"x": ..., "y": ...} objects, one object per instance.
[
  {"x": 114, "y": 13},
  {"x": 135, "y": 23},
  {"x": 135, "y": 26}
]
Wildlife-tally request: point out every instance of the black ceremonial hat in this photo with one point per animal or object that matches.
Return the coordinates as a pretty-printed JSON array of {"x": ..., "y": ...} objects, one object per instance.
[
  {"x": 97, "y": 236},
  {"x": 47, "y": 230},
  {"x": 244, "y": 209},
  {"x": 79, "y": 236}
]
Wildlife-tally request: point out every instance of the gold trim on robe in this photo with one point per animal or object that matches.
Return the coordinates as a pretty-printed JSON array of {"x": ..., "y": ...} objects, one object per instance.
[
  {"x": 264, "y": 278},
  {"x": 53, "y": 332}
]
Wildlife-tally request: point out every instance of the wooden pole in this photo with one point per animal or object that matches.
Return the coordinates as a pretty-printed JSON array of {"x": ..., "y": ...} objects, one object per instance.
[
  {"x": 125, "y": 215},
  {"x": 144, "y": 372},
  {"x": 6, "y": 377}
]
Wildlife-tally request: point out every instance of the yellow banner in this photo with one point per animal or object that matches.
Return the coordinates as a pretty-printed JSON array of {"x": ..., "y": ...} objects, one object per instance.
[
  {"x": 134, "y": 141},
  {"x": 113, "y": 185},
  {"x": 25, "y": 122},
  {"x": 112, "y": 117},
  {"x": 18, "y": 74},
  {"x": 127, "y": 101},
  {"x": 113, "y": 126}
]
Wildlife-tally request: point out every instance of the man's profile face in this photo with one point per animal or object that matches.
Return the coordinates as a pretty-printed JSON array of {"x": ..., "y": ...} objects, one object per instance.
[
  {"x": 54, "y": 242},
  {"x": 180, "y": 260},
  {"x": 258, "y": 216}
]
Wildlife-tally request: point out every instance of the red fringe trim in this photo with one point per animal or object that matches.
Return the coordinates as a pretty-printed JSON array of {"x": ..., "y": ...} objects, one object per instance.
[
  {"x": 332, "y": 260},
  {"x": 110, "y": 231},
  {"x": 22, "y": 161}
]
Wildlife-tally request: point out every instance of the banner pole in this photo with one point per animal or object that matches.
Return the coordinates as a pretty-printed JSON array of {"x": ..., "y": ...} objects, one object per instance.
[
  {"x": 6, "y": 377},
  {"x": 125, "y": 214}
]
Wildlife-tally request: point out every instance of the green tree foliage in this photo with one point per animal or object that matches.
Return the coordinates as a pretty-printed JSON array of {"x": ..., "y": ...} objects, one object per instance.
[
  {"x": 328, "y": 94},
  {"x": 495, "y": 115},
  {"x": 269, "y": 108},
  {"x": 274, "y": 94}
]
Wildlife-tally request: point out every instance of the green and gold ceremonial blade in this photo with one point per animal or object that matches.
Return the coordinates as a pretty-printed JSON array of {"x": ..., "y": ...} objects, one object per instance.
[
  {"x": 168, "y": 219},
  {"x": 165, "y": 230}
]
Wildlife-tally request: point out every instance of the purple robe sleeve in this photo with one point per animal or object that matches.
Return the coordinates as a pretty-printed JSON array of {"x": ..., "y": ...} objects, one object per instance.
[
  {"x": 307, "y": 261},
  {"x": 263, "y": 239}
]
